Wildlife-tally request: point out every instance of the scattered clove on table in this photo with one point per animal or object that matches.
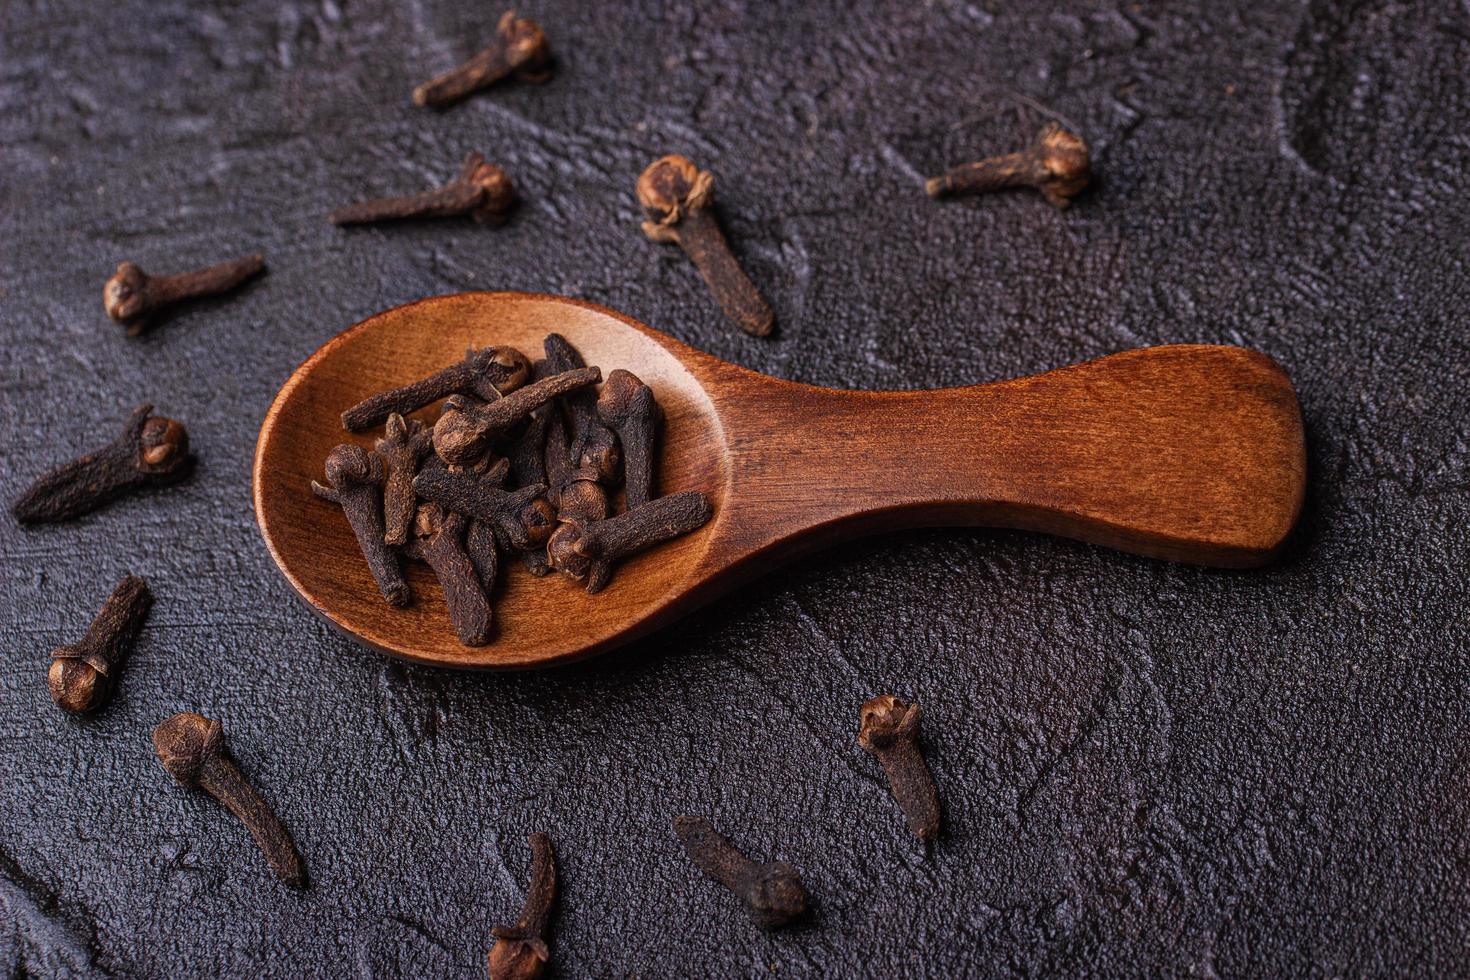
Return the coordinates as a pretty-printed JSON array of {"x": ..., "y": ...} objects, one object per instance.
[
  {"x": 773, "y": 892},
  {"x": 678, "y": 206},
  {"x": 481, "y": 190},
  {"x": 1057, "y": 164},
  {"x": 889, "y": 730},
  {"x": 151, "y": 451},
  {"x": 520, "y": 951},
  {"x": 133, "y": 298},
  {"x": 439, "y": 494},
  {"x": 519, "y": 50},
  {"x": 82, "y": 674},
  {"x": 192, "y": 749}
]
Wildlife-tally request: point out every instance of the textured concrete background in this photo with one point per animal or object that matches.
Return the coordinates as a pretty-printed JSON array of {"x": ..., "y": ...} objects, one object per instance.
[{"x": 1146, "y": 768}]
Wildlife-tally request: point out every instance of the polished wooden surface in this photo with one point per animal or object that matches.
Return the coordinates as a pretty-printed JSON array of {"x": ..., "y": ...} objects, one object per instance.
[{"x": 1190, "y": 453}]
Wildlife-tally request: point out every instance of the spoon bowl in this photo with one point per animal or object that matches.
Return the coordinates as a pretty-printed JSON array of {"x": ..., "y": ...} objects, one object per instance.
[{"x": 1189, "y": 452}]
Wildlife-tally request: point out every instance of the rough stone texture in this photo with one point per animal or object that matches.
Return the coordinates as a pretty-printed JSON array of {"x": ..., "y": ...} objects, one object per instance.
[{"x": 1146, "y": 768}]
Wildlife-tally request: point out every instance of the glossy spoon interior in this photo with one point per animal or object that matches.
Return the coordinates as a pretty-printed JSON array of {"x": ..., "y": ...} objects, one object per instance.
[{"x": 1190, "y": 453}]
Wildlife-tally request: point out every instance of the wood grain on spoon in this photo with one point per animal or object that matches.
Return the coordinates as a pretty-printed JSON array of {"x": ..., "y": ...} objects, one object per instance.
[{"x": 1190, "y": 453}]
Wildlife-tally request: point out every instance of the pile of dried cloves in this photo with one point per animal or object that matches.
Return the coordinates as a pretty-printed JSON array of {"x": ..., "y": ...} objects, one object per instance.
[{"x": 525, "y": 459}]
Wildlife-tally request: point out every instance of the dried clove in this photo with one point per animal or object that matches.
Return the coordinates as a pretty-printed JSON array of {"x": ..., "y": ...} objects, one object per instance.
[
  {"x": 463, "y": 432},
  {"x": 528, "y": 467},
  {"x": 519, "y": 49},
  {"x": 593, "y": 444},
  {"x": 440, "y": 536},
  {"x": 481, "y": 190},
  {"x": 403, "y": 447},
  {"x": 520, "y": 951},
  {"x": 487, "y": 374},
  {"x": 133, "y": 298},
  {"x": 151, "y": 451},
  {"x": 192, "y": 749},
  {"x": 80, "y": 677},
  {"x": 583, "y": 500},
  {"x": 484, "y": 552},
  {"x": 626, "y": 405},
  {"x": 677, "y": 199},
  {"x": 1057, "y": 164},
  {"x": 520, "y": 516},
  {"x": 889, "y": 730},
  {"x": 355, "y": 477},
  {"x": 575, "y": 544},
  {"x": 773, "y": 892}
]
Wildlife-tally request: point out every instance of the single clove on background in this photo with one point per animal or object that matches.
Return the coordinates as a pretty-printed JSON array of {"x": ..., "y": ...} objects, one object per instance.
[
  {"x": 192, "y": 749},
  {"x": 677, "y": 199},
  {"x": 133, "y": 298},
  {"x": 355, "y": 482},
  {"x": 1057, "y": 164},
  {"x": 889, "y": 730},
  {"x": 81, "y": 674},
  {"x": 520, "y": 951},
  {"x": 486, "y": 374},
  {"x": 481, "y": 190},
  {"x": 151, "y": 451},
  {"x": 519, "y": 50},
  {"x": 773, "y": 892}
]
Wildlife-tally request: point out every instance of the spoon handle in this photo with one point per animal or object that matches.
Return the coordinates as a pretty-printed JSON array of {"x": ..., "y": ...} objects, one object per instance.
[{"x": 1191, "y": 453}]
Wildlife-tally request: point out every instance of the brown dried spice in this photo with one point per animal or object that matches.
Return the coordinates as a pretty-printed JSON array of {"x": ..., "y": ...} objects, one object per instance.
[
  {"x": 773, "y": 892},
  {"x": 575, "y": 544},
  {"x": 81, "y": 674},
  {"x": 519, "y": 49},
  {"x": 463, "y": 432},
  {"x": 192, "y": 749},
  {"x": 355, "y": 477},
  {"x": 890, "y": 731},
  {"x": 481, "y": 190},
  {"x": 133, "y": 298},
  {"x": 487, "y": 374},
  {"x": 520, "y": 951},
  {"x": 1057, "y": 164},
  {"x": 151, "y": 452},
  {"x": 677, "y": 199}
]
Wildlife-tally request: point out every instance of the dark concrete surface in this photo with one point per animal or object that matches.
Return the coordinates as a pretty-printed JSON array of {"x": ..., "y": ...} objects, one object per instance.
[{"x": 1146, "y": 768}]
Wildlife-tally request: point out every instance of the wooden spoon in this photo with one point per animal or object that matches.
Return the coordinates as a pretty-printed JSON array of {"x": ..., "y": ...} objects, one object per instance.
[{"x": 1191, "y": 453}]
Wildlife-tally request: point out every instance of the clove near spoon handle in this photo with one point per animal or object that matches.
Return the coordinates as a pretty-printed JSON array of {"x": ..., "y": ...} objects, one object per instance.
[{"x": 1191, "y": 453}]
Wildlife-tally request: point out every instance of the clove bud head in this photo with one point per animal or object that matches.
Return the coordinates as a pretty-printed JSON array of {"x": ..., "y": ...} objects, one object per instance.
[
  {"x": 1065, "y": 159},
  {"x": 125, "y": 297},
  {"x": 884, "y": 720},
  {"x": 186, "y": 743},
  {"x": 516, "y": 957},
  {"x": 525, "y": 42},
  {"x": 509, "y": 364},
  {"x": 670, "y": 188},
  {"x": 498, "y": 193},
  {"x": 350, "y": 464},
  {"x": 76, "y": 685},
  {"x": 163, "y": 445},
  {"x": 567, "y": 550},
  {"x": 775, "y": 895}
]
